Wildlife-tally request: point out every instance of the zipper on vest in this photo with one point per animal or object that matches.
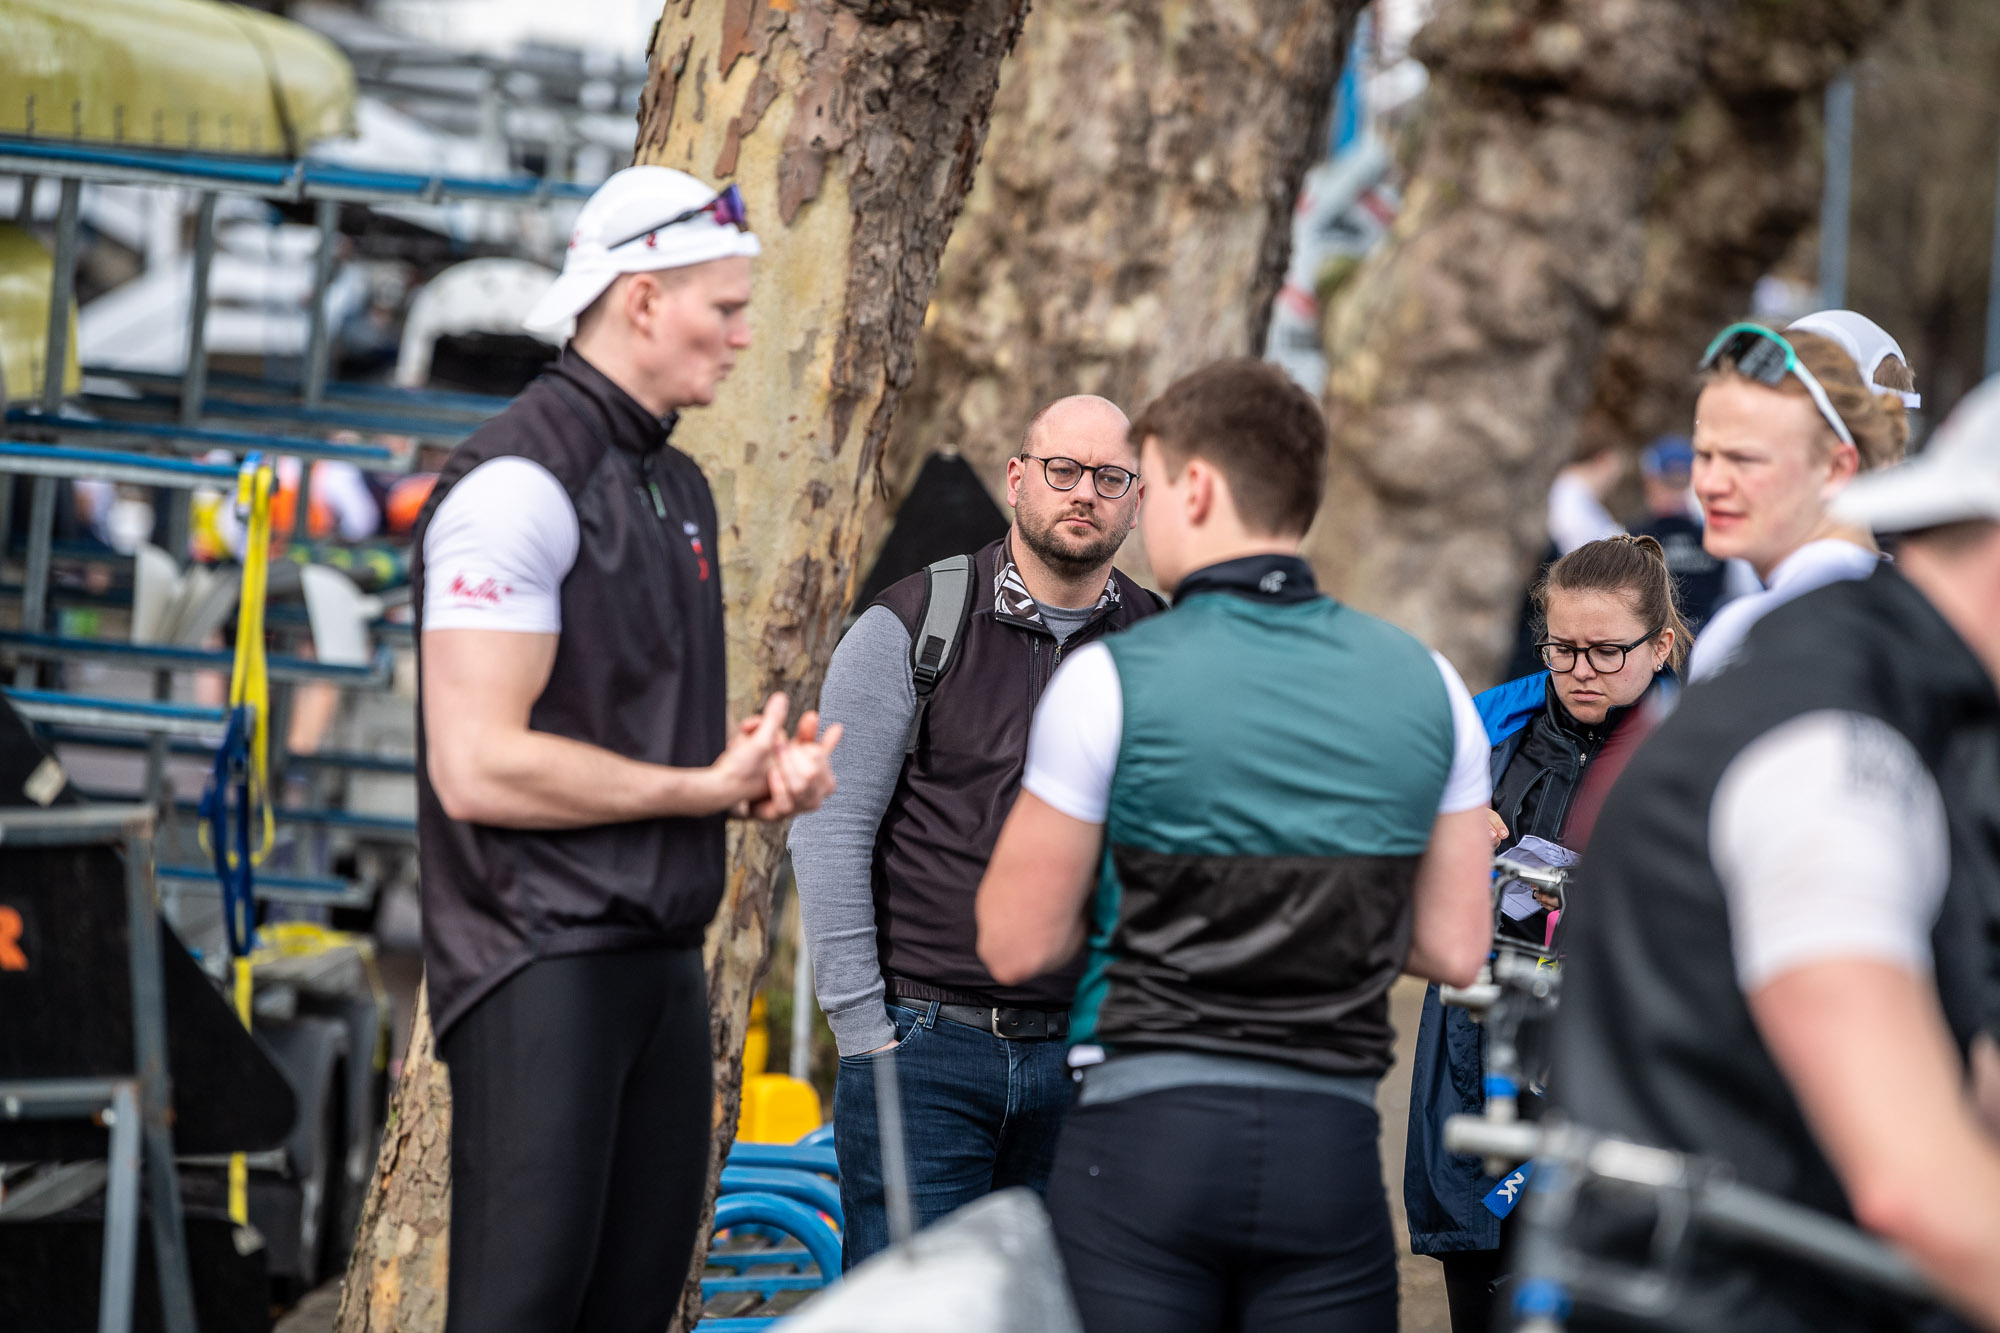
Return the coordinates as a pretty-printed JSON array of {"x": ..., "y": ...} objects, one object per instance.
[{"x": 652, "y": 487}]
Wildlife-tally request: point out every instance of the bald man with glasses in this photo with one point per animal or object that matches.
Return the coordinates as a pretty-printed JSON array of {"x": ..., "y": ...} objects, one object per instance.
[{"x": 888, "y": 867}]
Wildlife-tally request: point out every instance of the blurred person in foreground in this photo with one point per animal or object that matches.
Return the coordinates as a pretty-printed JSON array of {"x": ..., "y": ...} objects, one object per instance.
[
  {"x": 575, "y": 765},
  {"x": 1253, "y": 812},
  {"x": 1610, "y": 638},
  {"x": 1784, "y": 422},
  {"x": 1783, "y": 949}
]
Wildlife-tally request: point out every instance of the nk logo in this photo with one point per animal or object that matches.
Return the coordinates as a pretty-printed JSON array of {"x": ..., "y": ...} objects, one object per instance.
[{"x": 1501, "y": 1200}]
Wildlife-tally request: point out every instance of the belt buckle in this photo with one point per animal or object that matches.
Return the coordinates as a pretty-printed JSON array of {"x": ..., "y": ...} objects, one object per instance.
[{"x": 993, "y": 1023}]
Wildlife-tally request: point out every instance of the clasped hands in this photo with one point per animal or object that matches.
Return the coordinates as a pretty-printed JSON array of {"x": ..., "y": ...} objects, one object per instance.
[{"x": 770, "y": 774}]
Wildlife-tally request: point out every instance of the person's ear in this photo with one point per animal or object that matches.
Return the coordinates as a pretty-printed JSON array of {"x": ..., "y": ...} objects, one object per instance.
[
  {"x": 1017, "y": 471},
  {"x": 1843, "y": 466},
  {"x": 1200, "y": 492},
  {"x": 1663, "y": 648}
]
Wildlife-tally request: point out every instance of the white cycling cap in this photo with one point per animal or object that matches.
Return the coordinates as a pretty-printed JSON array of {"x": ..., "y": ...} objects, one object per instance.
[
  {"x": 624, "y": 228},
  {"x": 1867, "y": 342},
  {"x": 1955, "y": 478}
]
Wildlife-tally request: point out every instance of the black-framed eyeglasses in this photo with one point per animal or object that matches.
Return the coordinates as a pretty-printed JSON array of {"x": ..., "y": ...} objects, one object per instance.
[
  {"x": 727, "y": 209},
  {"x": 1606, "y": 659},
  {"x": 1064, "y": 473}
]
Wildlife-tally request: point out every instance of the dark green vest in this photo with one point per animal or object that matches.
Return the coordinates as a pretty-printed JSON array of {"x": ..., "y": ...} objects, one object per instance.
[{"x": 1278, "y": 776}]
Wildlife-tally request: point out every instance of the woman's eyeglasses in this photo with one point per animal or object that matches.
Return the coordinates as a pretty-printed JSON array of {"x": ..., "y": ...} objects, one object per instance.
[
  {"x": 1063, "y": 474},
  {"x": 1606, "y": 659}
]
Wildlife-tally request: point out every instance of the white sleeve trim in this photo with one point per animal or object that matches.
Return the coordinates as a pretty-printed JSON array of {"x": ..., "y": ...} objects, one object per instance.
[
  {"x": 1073, "y": 747},
  {"x": 498, "y": 549},
  {"x": 1470, "y": 785},
  {"x": 1829, "y": 837}
]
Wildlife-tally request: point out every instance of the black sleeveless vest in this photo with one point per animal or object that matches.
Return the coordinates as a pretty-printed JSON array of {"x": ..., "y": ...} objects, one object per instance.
[{"x": 1654, "y": 1040}]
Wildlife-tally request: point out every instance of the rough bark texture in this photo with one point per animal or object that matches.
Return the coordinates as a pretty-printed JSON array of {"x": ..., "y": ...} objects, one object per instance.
[
  {"x": 1131, "y": 219},
  {"x": 1926, "y": 105},
  {"x": 1742, "y": 179},
  {"x": 1464, "y": 352},
  {"x": 396, "y": 1277},
  {"x": 853, "y": 130}
]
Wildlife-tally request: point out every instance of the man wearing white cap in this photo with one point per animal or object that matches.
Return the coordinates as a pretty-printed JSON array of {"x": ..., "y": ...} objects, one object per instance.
[
  {"x": 575, "y": 766},
  {"x": 1786, "y": 957}
]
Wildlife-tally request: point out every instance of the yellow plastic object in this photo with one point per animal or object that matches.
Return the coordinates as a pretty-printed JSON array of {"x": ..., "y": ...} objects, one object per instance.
[
  {"x": 777, "y": 1108},
  {"x": 193, "y": 75},
  {"x": 27, "y": 275},
  {"x": 757, "y": 1040},
  {"x": 239, "y": 1165}
]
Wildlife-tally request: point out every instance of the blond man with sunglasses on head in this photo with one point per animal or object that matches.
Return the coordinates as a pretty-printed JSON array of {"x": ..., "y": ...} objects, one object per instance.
[{"x": 575, "y": 764}]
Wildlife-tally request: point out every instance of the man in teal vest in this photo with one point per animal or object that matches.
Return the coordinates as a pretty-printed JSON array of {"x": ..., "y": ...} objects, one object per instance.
[{"x": 1255, "y": 811}]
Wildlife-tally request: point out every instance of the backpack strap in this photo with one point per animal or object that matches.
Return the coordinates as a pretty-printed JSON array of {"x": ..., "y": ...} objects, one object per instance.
[{"x": 933, "y": 648}]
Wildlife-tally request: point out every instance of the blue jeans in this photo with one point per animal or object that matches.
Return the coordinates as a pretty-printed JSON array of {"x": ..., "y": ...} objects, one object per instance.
[{"x": 980, "y": 1113}]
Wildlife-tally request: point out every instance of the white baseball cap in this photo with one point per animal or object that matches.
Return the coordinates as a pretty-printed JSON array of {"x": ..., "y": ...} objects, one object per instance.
[
  {"x": 1867, "y": 343},
  {"x": 640, "y": 221},
  {"x": 1956, "y": 477}
]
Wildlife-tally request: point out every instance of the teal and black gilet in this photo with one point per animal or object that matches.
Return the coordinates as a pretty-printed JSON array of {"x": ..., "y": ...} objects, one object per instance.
[{"x": 1279, "y": 772}]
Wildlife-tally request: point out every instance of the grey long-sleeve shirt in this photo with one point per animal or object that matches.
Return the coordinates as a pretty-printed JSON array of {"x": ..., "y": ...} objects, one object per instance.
[{"x": 869, "y": 692}]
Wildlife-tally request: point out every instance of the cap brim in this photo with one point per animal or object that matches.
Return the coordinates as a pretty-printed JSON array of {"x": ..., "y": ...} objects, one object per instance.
[
  {"x": 577, "y": 286},
  {"x": 1923, "y": 493}
]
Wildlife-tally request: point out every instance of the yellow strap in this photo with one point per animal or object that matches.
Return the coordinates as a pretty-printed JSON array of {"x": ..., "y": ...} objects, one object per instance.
[
  {"x": 239, "y": 1165},
  {"x": 249, "y": 677}
]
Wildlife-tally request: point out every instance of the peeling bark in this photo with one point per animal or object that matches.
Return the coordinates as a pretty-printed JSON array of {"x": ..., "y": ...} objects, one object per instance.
[
  {"x": 1465, "y": 351},
  {"x": 1131, "y": 218},
  {"x": 852, "y": 130},
  {"x": 1742, "y": 180},
  {"x": 396, "y": 1276}
]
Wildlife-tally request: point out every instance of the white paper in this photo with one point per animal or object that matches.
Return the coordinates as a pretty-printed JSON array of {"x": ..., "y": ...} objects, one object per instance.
[{"x": 1518, "y": 903}]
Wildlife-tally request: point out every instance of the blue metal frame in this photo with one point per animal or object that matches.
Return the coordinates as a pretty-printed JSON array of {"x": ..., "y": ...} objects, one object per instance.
[
  {"x": 811, "y": 1190},
  {"x": 272, "y": 178},
  {"x": 59, "y": 647},
  {"x": 373, "y": 456},
  {"x": 788, "y": 1156}
]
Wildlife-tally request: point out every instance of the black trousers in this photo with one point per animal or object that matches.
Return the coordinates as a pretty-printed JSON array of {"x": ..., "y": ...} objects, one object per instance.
[
  {"x": 581, "y": 1093},
  {"x": 1204, "y": 1209}
]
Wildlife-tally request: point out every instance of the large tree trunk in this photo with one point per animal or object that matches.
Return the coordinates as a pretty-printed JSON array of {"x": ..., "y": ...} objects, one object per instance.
[
  {"x": 396, "y": 1276},
  {"x": 853, "y": 130},
  {"x": 1741, "y": 181},
  {"x": 1464, "y": 353},
  {"x": 1131, "y": 219}
]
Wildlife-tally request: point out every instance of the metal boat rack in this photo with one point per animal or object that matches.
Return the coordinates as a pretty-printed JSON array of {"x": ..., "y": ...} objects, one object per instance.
[{"x": 135, "y": 427}]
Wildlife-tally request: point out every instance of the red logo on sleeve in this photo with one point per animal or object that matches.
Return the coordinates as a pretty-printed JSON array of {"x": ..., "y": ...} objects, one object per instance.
[{"x": 486, "y": 592}]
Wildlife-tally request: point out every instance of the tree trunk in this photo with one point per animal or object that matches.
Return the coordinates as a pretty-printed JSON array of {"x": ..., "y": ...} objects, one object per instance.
[
  {"x": 396, "y": 1276},
  {"x": 853, "y": 130},
  {"x": 1741, "y": 181},
  {"x": 1132, "y": 217},
  {"x": 1465, "y": 352}
]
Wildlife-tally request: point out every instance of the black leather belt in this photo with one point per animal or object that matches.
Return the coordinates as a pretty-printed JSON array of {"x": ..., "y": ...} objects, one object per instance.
[{"x": 1007, "y": 1024}]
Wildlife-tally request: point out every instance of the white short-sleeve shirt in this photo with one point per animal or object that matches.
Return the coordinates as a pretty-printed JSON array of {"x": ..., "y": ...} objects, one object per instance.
[
  {"x": 498, "y": 548},
  {"x": 1829, "y": 837},
  {"x": 1073, "y": 747}
]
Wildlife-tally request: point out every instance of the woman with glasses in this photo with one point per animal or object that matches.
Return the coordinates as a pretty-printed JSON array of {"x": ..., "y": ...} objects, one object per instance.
[
  {"x": 1783, "y": 423},
  {"x": 1611, "y": 636}
]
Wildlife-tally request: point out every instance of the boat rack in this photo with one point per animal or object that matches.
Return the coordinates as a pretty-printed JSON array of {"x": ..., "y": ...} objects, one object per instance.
[{"x": 139, "y": 428}]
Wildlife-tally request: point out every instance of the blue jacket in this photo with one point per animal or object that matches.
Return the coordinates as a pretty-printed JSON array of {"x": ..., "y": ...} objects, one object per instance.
[{"x": 1443, "y": 1195}]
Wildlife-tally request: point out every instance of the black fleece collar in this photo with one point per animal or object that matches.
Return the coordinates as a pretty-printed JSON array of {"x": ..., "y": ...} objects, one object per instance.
[
  {"x": 1262, "y": 578},
  {"x": 626, "y": 424}
]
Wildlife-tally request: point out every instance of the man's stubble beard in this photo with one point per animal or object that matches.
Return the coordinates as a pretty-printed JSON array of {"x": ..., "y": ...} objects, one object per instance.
[{"x": 1070, "y": 559}]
